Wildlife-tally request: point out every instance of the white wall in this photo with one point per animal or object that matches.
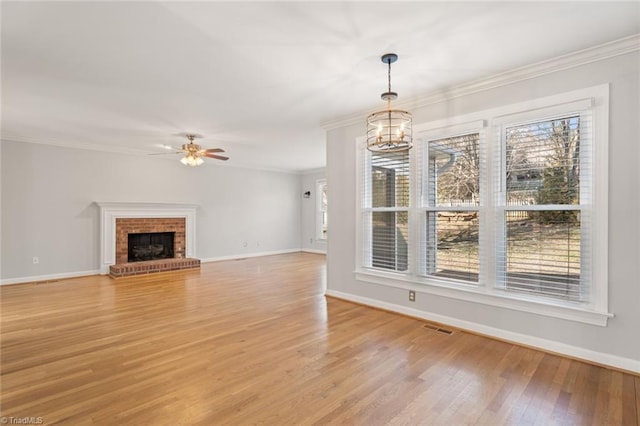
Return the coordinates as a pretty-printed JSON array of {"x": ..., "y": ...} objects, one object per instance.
[
  {"x": 617, "y": 344},
  {"x": 308, "y": 234},
  {"x": 48, "y": 194}
]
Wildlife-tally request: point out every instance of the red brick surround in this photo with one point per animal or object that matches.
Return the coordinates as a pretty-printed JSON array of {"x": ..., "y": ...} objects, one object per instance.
[{"x": 126, "y": 226}]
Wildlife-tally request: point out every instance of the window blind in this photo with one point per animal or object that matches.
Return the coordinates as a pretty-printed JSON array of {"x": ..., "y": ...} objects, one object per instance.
[
  {"x": 545, "y": 167},
  {"x": 451, "y": 195},
  {"x": 386, "y": 201}
]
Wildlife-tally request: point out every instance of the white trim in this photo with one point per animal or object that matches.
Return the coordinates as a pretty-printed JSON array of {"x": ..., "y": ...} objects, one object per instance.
[
  {"x": 319, "y": 213},
  {"x": 358, "y": 200},
  {"x": 560, "y": 63},
  {"x": 48, "y": 277},
  {"x": 450, "y": 127},
  {"x": 615, "y": 361},
  {"x": 478, "y": 294},
  {"x": 307, "y": 250},
  {"x": 109, "y": 212},
  {"x": 51, "y": 277},
  {"x": 243, "y": 256},
  {"x": 551, "y": 106},
  {"x": 313, "y": 171},
  {"x": 600, "y": 192}
]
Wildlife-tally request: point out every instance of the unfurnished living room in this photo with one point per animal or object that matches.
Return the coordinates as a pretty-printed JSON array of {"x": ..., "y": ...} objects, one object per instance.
[{"x": 296, "y": 213}]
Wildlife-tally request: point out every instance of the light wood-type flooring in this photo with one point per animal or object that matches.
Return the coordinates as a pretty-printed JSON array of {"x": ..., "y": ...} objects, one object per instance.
[{"x": 255, "y": 341}]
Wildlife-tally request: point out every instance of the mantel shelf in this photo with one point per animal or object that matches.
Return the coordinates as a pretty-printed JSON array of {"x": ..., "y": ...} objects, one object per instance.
[{"x": 110, "y": 211}]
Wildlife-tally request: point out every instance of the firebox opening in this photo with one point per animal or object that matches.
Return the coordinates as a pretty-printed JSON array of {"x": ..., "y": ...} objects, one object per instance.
[{"x": 150, "y": 246}]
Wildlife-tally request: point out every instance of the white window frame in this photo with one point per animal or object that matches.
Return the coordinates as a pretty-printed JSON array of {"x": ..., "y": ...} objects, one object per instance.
[
  {"x": 320, "y": 212},
  {"x": 582, "y": 109},
  {"x": 595, "y": 310},
  {"x": 443, "y": 131},
  {"x": 367, "y": 210}
]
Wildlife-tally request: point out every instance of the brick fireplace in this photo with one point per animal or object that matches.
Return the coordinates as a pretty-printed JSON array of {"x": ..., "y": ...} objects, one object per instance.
[
  {"x": 126, "y": 226},
  {"x": 118, "y": 220}
]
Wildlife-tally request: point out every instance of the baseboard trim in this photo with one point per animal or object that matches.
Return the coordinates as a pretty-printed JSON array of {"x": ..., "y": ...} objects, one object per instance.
[
  {"x": 245, "y": 255},
  {"x": 588, "y": 355},
  {"x": 49, "y": 277},
  {"x": 307, "y": 250}
]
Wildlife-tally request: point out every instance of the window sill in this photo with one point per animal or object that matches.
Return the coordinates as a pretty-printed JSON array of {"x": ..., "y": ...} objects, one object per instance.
[{"x": 550, "y": 308}]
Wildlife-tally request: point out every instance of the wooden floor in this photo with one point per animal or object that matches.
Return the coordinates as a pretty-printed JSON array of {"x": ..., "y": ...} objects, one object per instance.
[{"x": 255, "y": 341}]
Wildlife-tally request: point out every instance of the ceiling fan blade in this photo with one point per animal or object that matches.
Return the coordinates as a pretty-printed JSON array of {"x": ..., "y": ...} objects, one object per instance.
[
  {"x": 214, "y": 150},
  {"x": 166, "y": 153},
  {"x": 217, "y": 157}
]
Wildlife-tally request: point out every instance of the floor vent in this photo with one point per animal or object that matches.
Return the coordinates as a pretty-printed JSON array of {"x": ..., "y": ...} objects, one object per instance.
[{"x": 437, "y": 329}]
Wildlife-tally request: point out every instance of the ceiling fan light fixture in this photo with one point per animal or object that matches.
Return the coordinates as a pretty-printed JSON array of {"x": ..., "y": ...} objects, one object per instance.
[
  {"x": 389, "y": 130},
  {"x": 192, "y": 160},
  {"x": 194, "y": 154},
  {"x": 193, "y": 151}
]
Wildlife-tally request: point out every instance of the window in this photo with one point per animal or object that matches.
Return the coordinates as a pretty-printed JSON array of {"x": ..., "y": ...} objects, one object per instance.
[
  {"x": 451, "y": 213},
  {"x": 541, "y": 227},
  {"x": 496, "y": 207},
  {"x": 386, "y": 211},
  {"x": 321, "y": 213}
]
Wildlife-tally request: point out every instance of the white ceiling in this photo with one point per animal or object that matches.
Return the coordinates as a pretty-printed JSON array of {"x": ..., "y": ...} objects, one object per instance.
[{"x": 258, "y": 79}]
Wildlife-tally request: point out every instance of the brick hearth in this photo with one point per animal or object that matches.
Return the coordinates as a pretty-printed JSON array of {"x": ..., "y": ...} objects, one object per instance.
[
  {"x": 126, "y": 226},
  {"x": 151, "y": 266}
]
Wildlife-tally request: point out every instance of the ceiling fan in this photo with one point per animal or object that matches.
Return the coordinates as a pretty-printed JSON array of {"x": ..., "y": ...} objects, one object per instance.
[{"x": 193, "y": 153}]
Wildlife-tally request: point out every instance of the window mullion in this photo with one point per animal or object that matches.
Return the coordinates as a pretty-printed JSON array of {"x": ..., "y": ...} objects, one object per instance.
[
  {"x": 486, "y": 228},
  {"x": 415, "y": 199}
]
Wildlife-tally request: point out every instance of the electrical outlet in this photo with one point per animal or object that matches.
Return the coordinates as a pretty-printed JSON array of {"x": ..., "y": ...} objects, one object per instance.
[
  {"x": 412, "y": 296},
  {"x": 244, "y": 244},
  {"x": 36, "y": 260}
]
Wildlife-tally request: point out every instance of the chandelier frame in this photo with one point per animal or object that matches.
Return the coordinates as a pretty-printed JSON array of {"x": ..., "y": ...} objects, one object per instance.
[{"x": 389, "y": 130}]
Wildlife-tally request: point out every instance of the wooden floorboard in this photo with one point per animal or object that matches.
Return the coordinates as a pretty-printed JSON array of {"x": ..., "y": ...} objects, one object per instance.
[{"x": 255, "y": 341}]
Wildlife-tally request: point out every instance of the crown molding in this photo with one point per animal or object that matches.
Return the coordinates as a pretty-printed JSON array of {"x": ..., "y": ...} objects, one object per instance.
[
  {"x": 139, "y": 152},
  {"x": 78, "y": 145},
  {"x": 549, "y": 66},
  {"x": 314, "y": 171}
]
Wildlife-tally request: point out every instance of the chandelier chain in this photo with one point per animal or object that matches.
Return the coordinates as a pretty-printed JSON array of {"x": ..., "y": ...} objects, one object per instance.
[{"x": 389, "y": 83}]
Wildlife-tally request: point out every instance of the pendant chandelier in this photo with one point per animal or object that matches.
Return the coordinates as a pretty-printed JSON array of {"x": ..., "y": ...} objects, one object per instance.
[{"x": 389, "y": 130}]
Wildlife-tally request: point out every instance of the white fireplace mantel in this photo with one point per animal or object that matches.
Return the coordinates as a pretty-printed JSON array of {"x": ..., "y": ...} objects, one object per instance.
[{"x": 109, "y": 212}]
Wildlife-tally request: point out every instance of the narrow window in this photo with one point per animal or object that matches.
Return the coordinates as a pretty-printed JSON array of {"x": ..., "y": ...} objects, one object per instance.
[
  {"x": 321, "y": 212},
  {"x": 386, "y": 211},
  {"x": 452, "y": 214}
]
